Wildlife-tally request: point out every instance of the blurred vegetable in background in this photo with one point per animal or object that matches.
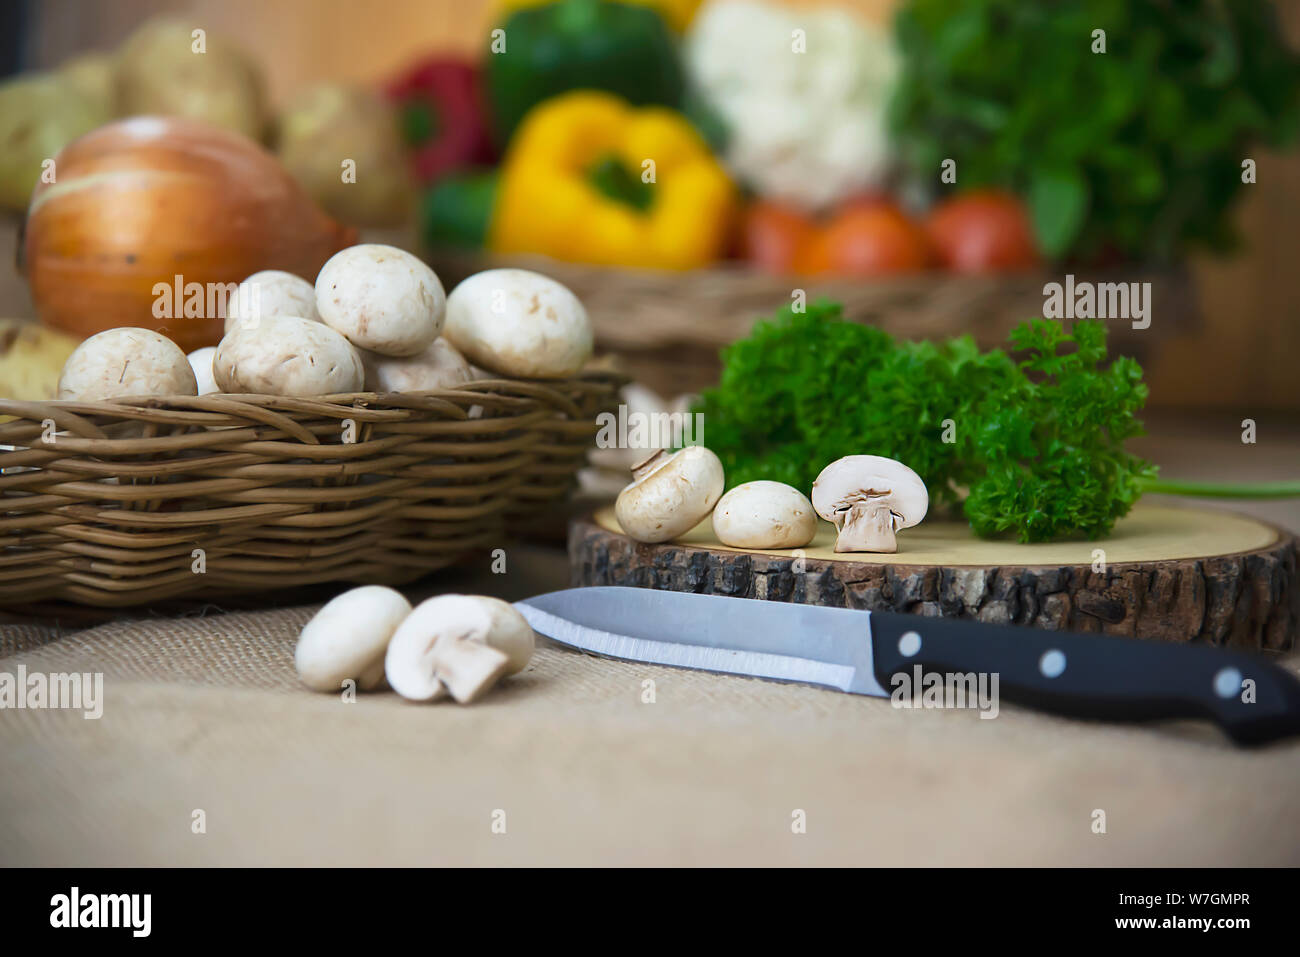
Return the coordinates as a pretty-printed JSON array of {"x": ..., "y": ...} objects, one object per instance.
[
  {"x": 806, "y": 128},
  {"x": 866, "y": 236},
  {"x": 39, "y": 114},
  {"x": 676, "y": 13},
  {"x": 156, "y": 71},
  {"x": 31, "y": 360},
  {"x": 160, "y": 71},
  {"x": 772, "y": 235},
  {"x": 333, "y": 123},
  {"x": 148, "y": 198},
  {"x": 1138, "y": 149},
  {"x": 575, "y": 185},
  {"x": 443, "y": 117},
  {"x": 866, "y": 239},
  {"x": 581, "y": 44},
  {"x": 982, "y": 231},
  {"x": 91, "y": 75},
  {"x": 457, "y": 211}
]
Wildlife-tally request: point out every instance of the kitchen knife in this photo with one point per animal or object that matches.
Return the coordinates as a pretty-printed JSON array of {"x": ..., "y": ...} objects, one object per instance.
[{"x": 1089, "y": 676}]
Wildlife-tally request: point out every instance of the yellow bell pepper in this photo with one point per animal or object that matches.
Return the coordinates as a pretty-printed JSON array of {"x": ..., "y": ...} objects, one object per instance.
[
  {"x": 676, "y": 13},
  {"x": 589, "y": 178}
]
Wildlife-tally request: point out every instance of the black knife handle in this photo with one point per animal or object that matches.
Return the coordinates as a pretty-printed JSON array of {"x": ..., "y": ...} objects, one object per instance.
[{"x": 1096, "y": 676}]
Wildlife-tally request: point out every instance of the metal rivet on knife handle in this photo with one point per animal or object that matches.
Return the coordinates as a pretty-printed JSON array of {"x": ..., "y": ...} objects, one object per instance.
[
  {"x": 909, "y": 644},
  {"x": 1227, "y": 683},
  {"x": 1052, "y": 664}
]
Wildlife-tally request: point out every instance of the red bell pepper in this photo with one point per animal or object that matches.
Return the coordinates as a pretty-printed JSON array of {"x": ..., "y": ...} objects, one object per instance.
[{"x": 443, "y": 118}]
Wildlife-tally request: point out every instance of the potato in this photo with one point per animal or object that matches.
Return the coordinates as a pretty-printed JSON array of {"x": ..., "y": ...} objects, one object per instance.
[
  {"x": 40, "y": 113},
  {"x": 287, "y": 355},
  {"x": 161, "y": 73},
  {"x": 126, "y": 362},
  {"x": 337, "y": 120},
  {"x": 32, "y": 357}
]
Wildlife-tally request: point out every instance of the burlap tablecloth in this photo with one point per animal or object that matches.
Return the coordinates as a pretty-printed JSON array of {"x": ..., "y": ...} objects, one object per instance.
[{"x": 205, "y": 714}]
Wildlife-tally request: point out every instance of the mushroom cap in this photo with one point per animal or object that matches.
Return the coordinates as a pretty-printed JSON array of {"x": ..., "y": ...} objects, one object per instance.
[
  {"x": 124, "y": 362},
  {"x": 201, "y": 363},
  {"x": 764, "y": 514},
  {"x": 672, "y": 496},
  {"x": 412, "y": 662},
  {"x": 857, "y": 478},
  {"x": 287, "y": 355},
  {"x": 440, "y": 366},
  {"x": 515, "y": 322},
  {"x": 347, "y": 638},
  {"x": 382, "y": 298},
  {"x": 271, "y": 292}
]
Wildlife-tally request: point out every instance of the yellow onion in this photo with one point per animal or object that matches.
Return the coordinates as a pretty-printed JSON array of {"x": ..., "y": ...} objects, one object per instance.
[{"x": 145, "y": 207}]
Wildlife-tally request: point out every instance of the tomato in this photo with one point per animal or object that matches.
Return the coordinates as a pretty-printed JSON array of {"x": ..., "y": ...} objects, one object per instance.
[
  {"x": 983, "y": 231},
  {"x": 867, "y": 239},
  {"x": 772, "y": 235}
]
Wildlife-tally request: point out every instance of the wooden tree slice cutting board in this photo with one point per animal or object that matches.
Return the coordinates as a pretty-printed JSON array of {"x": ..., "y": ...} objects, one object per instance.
[{"x": 1175, "y": 574}]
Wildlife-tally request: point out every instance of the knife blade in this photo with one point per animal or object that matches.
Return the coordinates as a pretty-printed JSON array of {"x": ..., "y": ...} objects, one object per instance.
[{"x": 866, "y": 652}]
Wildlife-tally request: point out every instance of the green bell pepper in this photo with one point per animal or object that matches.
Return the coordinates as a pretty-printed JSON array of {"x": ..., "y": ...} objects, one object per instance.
[
  {"x": 457, "y": 211},
  {"x": 581, "y": 44}
]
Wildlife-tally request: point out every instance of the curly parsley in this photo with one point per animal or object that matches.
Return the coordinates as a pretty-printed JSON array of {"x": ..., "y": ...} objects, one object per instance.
[{"x": 1035, "y": 444}]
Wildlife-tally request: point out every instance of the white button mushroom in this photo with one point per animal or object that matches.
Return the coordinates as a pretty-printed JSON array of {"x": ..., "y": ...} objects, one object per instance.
[
  {"x": 201, "y": 363},
  {"x": 438, "y": 367},
  {"x": 348, "y": 637},
  {"x": 869, "y": 498},
  {"x": 519, "y": 323},
  {"x": 460, "y": 644},
  {"x": 764, "y": 515},
  {"x": 670, "y": 494},
  {"x": 126, "y": 362},
  {"x": 270, "y": 292},
  {"x": 382, "y": 298},
  {"x": 286, "y": 355}
]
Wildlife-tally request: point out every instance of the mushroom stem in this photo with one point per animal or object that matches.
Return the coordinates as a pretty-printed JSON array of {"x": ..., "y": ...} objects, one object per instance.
[
  {"x": 468, "y": 668},
  {"x": 645, "y": 467},
  {"x": 867, "y": 527}
]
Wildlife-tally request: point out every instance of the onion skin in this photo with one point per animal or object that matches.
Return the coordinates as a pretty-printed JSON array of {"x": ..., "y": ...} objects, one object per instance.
[{"x": 139, "y": 201}]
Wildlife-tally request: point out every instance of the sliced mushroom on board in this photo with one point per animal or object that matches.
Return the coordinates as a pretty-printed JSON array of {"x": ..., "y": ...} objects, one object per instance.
[{"x": 869, "y": 498}]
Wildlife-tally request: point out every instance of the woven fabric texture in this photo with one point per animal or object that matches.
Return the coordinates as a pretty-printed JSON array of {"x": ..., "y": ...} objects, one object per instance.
[{"x": 582, "y": 761}]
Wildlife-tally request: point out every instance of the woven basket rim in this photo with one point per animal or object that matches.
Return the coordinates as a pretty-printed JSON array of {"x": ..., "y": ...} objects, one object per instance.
[{"x": 599, "y": 378}]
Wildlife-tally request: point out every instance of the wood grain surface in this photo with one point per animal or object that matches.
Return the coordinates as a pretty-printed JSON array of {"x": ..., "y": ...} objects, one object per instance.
[{"x": 1172, "y": 574}]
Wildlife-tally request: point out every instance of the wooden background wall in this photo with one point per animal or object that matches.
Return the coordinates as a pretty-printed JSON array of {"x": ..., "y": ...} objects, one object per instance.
[{"x": 1244, "y": 356}]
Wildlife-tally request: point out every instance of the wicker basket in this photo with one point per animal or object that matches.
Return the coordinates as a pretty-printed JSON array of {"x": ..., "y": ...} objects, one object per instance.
[{"x": 133, "y": 501}]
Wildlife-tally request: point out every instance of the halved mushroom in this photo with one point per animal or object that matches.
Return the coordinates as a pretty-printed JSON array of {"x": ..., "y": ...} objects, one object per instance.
[
  {"x": 460, "y": 644},
  {"x": 670, "y": 494},
  {"x": 869, "y": 498}
]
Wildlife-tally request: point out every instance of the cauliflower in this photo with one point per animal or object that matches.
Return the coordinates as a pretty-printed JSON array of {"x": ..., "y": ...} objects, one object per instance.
[{"x": 805, "y": 127}]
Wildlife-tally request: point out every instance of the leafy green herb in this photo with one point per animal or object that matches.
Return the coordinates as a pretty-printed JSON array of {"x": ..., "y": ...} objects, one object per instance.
[
  {"x": 1137, "y": 149},
  {"x": 1049, "y": 444},
  {"x": 1038, "y": 443}
]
